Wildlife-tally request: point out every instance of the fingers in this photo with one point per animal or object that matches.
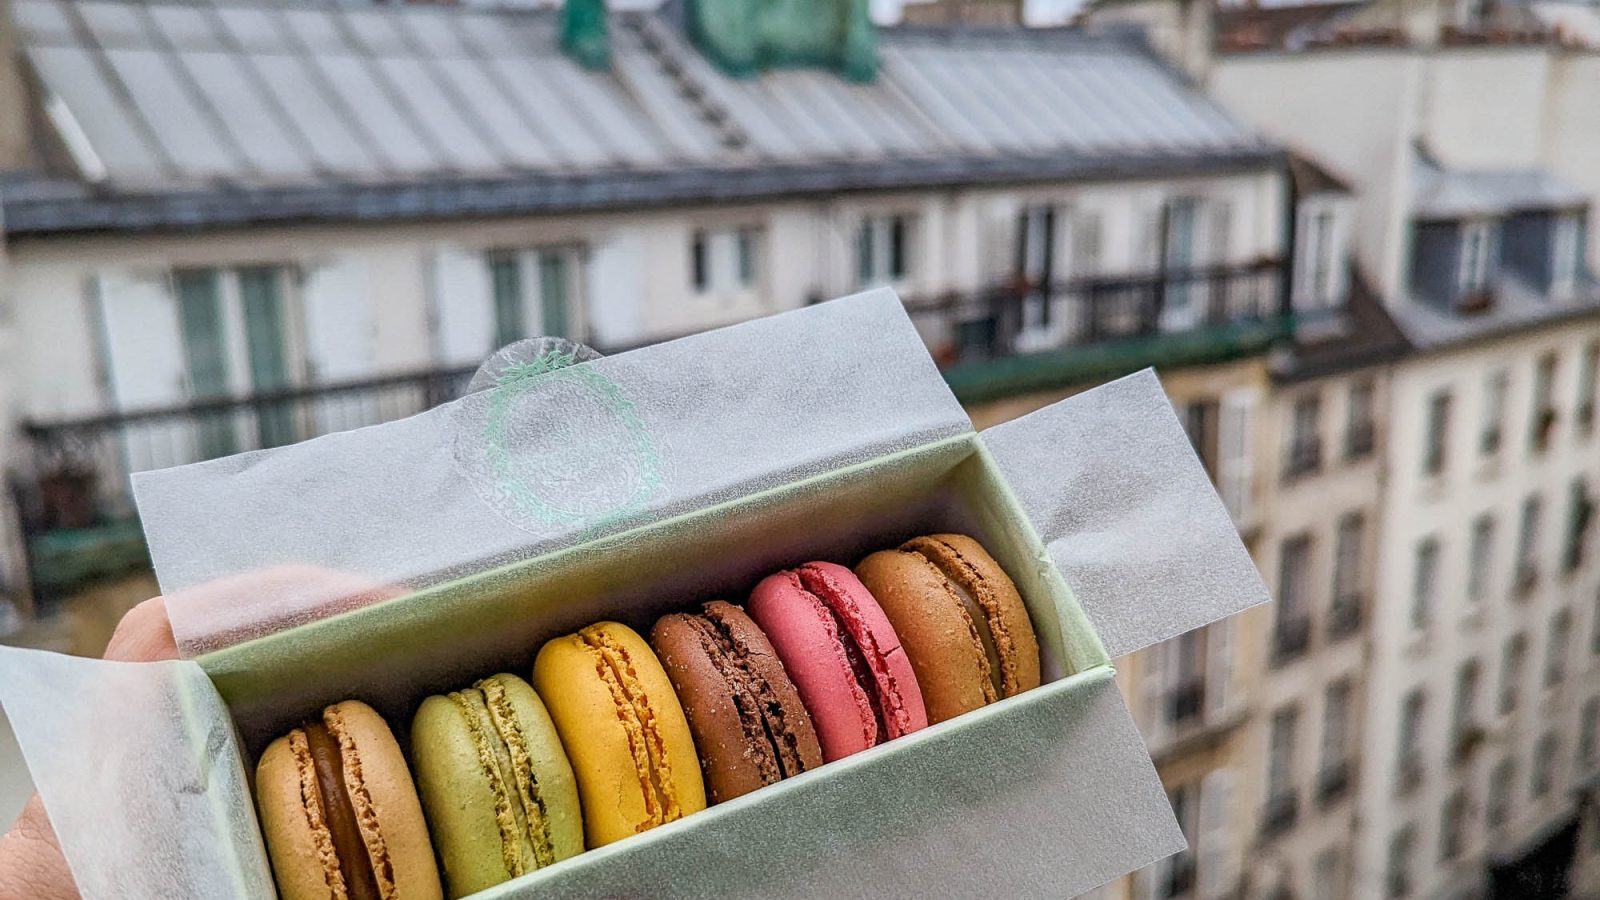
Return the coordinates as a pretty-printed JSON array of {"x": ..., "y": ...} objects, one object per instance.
[
  {"x": 144, "y": 634},
  {"x": 31, "y": 864}
]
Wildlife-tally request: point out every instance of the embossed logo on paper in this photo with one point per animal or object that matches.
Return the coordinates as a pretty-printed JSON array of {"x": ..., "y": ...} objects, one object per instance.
[{"x": 564, "y": 445}]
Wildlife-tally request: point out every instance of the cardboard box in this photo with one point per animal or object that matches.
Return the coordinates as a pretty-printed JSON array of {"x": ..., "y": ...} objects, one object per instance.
[{"x": 705, "y": 463}]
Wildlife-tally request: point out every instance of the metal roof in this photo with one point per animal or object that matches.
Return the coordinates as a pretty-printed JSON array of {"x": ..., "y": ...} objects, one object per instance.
[
  {"x": 1440, "y": 193},
  {"x": 194, "y": 112}
]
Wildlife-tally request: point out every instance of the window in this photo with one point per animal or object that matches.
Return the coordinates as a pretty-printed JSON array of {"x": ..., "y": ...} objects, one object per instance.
[
  {"x": 1498, "y": 810},
  {"x": 1542, "y": 424},
  {"x": 1176, "y": 875},
  {"x": 1528, "y": 544},
  {"x": 1580, "y": 512},
  {"x": 1478, "y": 563},
  {"x": 1397, "y": 874},
  {"x": 1345, "y": 617},
  {"x": 1319, "y": 260},
  {"x": 1280, "y": 753},
  {"x": 533, "y": 293},
  {"x": 1566, "y": 254},
  {"x": 1452, "y": 819},
  {"x": 1293, "y": 632},
  {"x": 1594, "y": 629},
  {"x": 1328, "y": 875},
  {"x": 725, "y": 261},
  {"x": 1433, "y": 461},
  {"x": 1305, "y": 440},
  {"x": 1544, "y": 764},
  {"x": 1589, "y": 733},
  {"x": 1186, "y": 703},
  {"x": 1494, "y": 412},
  {"x": 1480, "y": 245},
  {"x": 1424, "y": 582},
  {"x": 1200, "y": 419},
  {"x": 1333, "y": 773},
  {"x": 1588, "y": 373},
  {"x": 1359, "y": 428},
  {"x": 881, "y": 247},
  {"x": 1555, "y": 660},
  {"x": 1408, "y": 751},
  {"x": 1512, "y": 658},
  {"x": 1463, "y": 725}
]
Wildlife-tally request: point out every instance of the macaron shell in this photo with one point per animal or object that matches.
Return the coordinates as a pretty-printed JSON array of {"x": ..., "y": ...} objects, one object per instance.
[
  {"x": 732, "y": 764},
  {"x": 460, "y": 798},
  {"x": 807, "y": 640},
  {"x": 934, "y": 629},
  {"x": 299, "y": 863},
  {"x": 386, "y": 800},
  {"x": 456, "y": 795},
  {"x": 1019, "y": 647},
  {"x": 597, "y": 739}
]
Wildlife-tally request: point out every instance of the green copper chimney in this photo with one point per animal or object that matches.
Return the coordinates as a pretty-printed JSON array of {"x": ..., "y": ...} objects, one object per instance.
[
  {"x": 744, "y": 37},
  {"x": 583, "y": 33}
]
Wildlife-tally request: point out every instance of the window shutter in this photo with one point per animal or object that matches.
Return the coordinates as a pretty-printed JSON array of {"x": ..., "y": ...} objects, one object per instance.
[
  {"x": 1219, "y": 668},
  {"x": 1234, "y": 466},
  {"x": 1158, "y": 672},
  {"x": 144, "y": 344},
  {"x": 338, "y": 316},
  {"x": 1218, "y": 864},
  {"x": 463, "y": 307}
]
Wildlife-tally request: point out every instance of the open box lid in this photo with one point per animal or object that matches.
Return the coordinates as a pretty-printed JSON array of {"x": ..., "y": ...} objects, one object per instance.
[{"x": 554, "y": 455}]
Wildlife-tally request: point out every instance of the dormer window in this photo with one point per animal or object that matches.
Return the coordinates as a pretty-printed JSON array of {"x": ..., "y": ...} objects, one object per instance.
[
  {"x": 1319, "y": 279},
  {"x": 1480, "y": 249},
  {"x": 1566, "y": 254}
]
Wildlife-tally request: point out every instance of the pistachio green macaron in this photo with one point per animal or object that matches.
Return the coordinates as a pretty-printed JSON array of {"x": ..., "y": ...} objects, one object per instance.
[{"x": 498, "y": 791}]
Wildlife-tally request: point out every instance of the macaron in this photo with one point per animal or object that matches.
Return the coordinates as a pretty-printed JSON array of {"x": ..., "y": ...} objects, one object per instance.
[
  {"x": 749, "y": 725},
  {"x": 496, "y": 785},
  {"x": 340, "y": 813},
  {"x": 843, "y": 655},
  {"x": 624, "y": 731},
  {"x": 960, "y": 618}
]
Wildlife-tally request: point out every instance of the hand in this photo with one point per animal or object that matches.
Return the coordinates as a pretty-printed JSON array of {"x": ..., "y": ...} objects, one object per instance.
[{"x": 31, "y": 864}]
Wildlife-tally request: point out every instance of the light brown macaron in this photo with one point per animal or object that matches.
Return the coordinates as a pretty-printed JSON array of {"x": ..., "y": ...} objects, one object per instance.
[
  {"x": 960, "y": 620},
  {"x": 340, "y": 812}
]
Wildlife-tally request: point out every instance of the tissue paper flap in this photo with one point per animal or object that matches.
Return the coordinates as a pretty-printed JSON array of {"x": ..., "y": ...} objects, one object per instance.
[
  {"x": 552, "y": 455},
  {"x": 1050, "y": 803},
  {"x": 140, "y": 774},
  {"x": 1111, "y": 483}
]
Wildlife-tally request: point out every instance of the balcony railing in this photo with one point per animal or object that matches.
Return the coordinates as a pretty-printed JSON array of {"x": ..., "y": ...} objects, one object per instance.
[
  {"x": 80, "y": 467},
  {"x": 1024, "y": 317}
]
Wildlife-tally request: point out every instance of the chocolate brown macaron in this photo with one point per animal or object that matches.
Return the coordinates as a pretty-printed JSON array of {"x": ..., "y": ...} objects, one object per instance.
[
  {"x": 749, "y": 725},
  {"x": 960, "y": 620}
]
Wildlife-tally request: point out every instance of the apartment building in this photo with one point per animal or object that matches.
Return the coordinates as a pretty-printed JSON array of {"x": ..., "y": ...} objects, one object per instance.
[
  {"x": 245, "y": 222},
  {"x": 1471, "y": 155}
]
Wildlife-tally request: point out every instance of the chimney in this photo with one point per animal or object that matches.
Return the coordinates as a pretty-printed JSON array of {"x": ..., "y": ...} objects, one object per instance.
[
  {"x": 583, "y": 33},
  {"x": 744, "y": 37}
]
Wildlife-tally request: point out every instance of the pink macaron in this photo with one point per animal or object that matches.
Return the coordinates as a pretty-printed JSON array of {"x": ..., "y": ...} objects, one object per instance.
[{"x": 843, "y": 655}]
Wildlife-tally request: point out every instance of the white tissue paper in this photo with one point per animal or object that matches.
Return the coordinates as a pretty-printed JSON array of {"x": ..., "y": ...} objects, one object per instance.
[{"x": 570, "y": 463}]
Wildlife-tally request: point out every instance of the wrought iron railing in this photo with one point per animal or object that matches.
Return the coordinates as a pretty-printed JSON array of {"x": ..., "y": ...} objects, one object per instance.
[
  {"x": 1027, "y": 317},
  {"x": 79, "y": 468}
]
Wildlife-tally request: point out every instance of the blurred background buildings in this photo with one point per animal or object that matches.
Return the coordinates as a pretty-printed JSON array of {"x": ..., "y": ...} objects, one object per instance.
[{"x": 1353, "y": 237}]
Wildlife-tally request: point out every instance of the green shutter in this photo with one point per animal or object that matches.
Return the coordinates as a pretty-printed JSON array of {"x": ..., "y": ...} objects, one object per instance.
[
  {"x": 266, "y": 340},
  {"x": 205, "y": 356},
  {"x": 864, "y": 261},
  {"x": 506, "y": 280},
  {"x": 554, "y": 308}
]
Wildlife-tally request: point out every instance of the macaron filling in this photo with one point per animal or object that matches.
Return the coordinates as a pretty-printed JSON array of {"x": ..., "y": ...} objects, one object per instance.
[
  {"x": 505, "y": 759},
  {"x": 326, "y": 758},
  {"x": 645, "y": 742},
  {"x": 867, "y": 661},
  {"x": 756, "y": 702}
]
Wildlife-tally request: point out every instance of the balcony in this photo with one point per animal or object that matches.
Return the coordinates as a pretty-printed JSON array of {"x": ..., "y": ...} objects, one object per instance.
[
  {"x": 77, "y": 509},
  {"x": 1279, "y": 815},
  {"x": 1344, "y": 618},
  {"x": 1334, "y": 782},
  {"x": 1025, "y": 336},
  {"x": 1290, "y": 640}
]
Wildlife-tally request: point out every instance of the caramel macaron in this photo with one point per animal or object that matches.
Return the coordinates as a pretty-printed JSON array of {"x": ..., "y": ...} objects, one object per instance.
[
  {"x": 960, "y": 619},
  {"x": 340, "y": 813}
]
